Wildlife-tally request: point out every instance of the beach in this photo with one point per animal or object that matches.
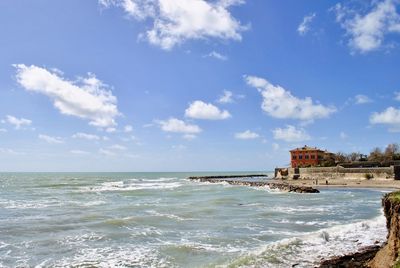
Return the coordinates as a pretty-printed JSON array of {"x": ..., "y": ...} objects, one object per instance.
[{"x": 346, "y": 183}]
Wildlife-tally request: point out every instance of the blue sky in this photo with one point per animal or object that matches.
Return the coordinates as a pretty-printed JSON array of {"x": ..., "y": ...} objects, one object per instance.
[{"x": 194, "y": 85}]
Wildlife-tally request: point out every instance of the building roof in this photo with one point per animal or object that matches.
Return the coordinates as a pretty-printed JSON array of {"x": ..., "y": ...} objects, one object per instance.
[{"x": 308, "y": 148}]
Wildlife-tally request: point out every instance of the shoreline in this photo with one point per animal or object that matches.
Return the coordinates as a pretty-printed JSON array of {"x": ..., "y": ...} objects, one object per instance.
[{"x": 345, "y": 183}]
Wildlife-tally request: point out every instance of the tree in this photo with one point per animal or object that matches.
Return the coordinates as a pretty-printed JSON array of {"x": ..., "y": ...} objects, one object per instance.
[
  {"x": 354, "y": 156},
  {"x": 376, "y": 155},
  {"x": 391, "y": 152},
  {"x": 340, "y": 157}
]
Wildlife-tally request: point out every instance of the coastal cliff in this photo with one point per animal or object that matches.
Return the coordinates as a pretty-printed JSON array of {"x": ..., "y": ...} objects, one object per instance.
[{"x": 388, "y": 255}]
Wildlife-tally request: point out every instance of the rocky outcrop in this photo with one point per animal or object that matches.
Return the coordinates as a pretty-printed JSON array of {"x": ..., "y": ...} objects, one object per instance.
[
  {"x": 285, "y": 187},
  {"x": 292, "y": 188},
  {"x": 388, "y": 255},
  {"x": 359, "y": 259}
]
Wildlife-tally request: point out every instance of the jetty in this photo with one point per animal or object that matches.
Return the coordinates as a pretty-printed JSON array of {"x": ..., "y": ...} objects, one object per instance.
[{"x": 233, "y": 180}]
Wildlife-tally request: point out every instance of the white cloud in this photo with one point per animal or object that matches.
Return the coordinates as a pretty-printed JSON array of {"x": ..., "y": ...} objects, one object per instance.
[
  {"x": 79, "y": 152},
  {"x": 280, "y": 103},
  {"x": 106, "y": 152},
  {"x": 201, "y": 110},
  {"x": 85, "y": 136},
  {"x": 275, "y": 146},
  {"x": 111, "y": 129},
  {"x": 291, "y": 134},
  {"x": 397, "y": 96},
  {"x": 50, "y": 139},
  {"x": 246, "y": 135},
  {"x": 304, "y": 26},
  {"x": 367, "y": 31},
  {"x": 362, "y": 99},
  {"x": 178, "y": 126},
  {"x": 390, "y": 117},
  {"x": 3, "y": 130},
  {"x": 88, "y": 98},
  {"x": 343, "y": 135},
  {"x": 10, "y": 151},
  {"x": 177, "y": 21},
  {"x": 189, "y": 137},
  {"x": 17, "y": 122},
  {"x": 216, "y": 55},
  {"x": 128, "y": 128},
  {"x": 227, "y": 97},
  {"x": 117, "y": 147}
]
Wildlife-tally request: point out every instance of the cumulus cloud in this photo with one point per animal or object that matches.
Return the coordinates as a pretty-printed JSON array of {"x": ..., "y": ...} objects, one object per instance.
[
  {"x": 227, "y": 97},
  {"x": 87, "y": 98},
  {"x": 50, "y": 139},
  {"x": 18, "y": 123},
  {"x": 304, "y": 26},
  {"x": 246, "y": 135},
  {"x": 280, "y": 103},
  {"x": 362, "y": 99},
  {"x": 216, "y": 55},
  {"x": 178, "y": 126},
  {"x": 81, "y": 135},
  {"x": 367, "y": 30},
  {"x": 201, "y": 110},
  {"x": 390, "y": 117},
  {"x": 177, "y": 21},
  {"x": 291, "y": 134}
]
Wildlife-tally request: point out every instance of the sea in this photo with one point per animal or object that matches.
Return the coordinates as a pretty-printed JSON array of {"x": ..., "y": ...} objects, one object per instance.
[{"x": 165, "y": 220}]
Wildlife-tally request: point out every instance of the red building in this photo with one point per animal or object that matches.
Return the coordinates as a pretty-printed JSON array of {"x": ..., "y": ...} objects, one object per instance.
[{"x": 308, "y": 156}]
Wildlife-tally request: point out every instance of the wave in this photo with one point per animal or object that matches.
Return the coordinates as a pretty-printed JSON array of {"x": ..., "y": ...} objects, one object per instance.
[
  {"x": 309, "y": 249},
  {"x": 114, "y": 186}
]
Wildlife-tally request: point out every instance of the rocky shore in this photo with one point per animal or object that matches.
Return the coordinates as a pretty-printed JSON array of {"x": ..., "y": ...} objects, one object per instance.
[
  {"x": 386, "y": 256},
  {"x": 282, "y": 186}
]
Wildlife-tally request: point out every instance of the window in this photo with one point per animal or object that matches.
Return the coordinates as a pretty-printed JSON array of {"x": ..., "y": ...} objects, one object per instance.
[
  {"x": 312, "y": 156},
  {"x": 294, "y": 157},
  {"x": 307, "y": 156},
  {"x": 300, "y": 157}
]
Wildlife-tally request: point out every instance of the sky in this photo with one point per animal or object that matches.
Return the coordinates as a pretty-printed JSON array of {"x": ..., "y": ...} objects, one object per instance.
[{"x": 194, "y": 85}]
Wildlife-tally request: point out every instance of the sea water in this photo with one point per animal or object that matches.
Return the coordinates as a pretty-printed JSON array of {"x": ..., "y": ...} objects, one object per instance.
[{"x": 164, "y": 220}]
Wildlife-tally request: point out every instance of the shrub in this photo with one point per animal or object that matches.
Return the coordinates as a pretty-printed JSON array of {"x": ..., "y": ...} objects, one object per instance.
[{"x": 369, "y": 176}]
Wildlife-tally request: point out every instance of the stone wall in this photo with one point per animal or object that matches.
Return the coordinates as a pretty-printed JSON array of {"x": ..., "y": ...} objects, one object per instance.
[{"x": 379, "y": 173}]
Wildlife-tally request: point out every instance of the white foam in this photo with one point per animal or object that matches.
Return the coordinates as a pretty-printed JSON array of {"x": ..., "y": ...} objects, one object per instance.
[
  {"x": 309, "y": 249},
  {"x": 114, "y": 257},
  {"x": 122, "y": 186}
]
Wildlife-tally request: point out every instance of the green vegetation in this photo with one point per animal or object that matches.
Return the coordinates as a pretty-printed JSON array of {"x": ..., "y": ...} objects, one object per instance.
[
  {"x": 369, "y": 176},
  {"x": 395, "y": 196}
]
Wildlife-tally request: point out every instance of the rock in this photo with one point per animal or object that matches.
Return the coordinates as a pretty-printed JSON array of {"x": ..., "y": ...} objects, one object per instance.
[
  {"x": 356, "y": 260},
  {"x": 285, "y": 187}
]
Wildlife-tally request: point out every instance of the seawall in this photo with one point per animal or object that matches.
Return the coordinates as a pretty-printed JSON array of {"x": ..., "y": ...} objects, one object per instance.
[{"x": 338, "y": 172}]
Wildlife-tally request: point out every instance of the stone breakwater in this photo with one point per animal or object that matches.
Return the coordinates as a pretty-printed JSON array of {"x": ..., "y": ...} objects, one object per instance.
[{"x": 285, "y": 187}]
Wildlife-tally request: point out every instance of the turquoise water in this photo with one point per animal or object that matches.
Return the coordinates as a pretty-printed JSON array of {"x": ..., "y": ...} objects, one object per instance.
[{"x": 164, "y": 220}]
